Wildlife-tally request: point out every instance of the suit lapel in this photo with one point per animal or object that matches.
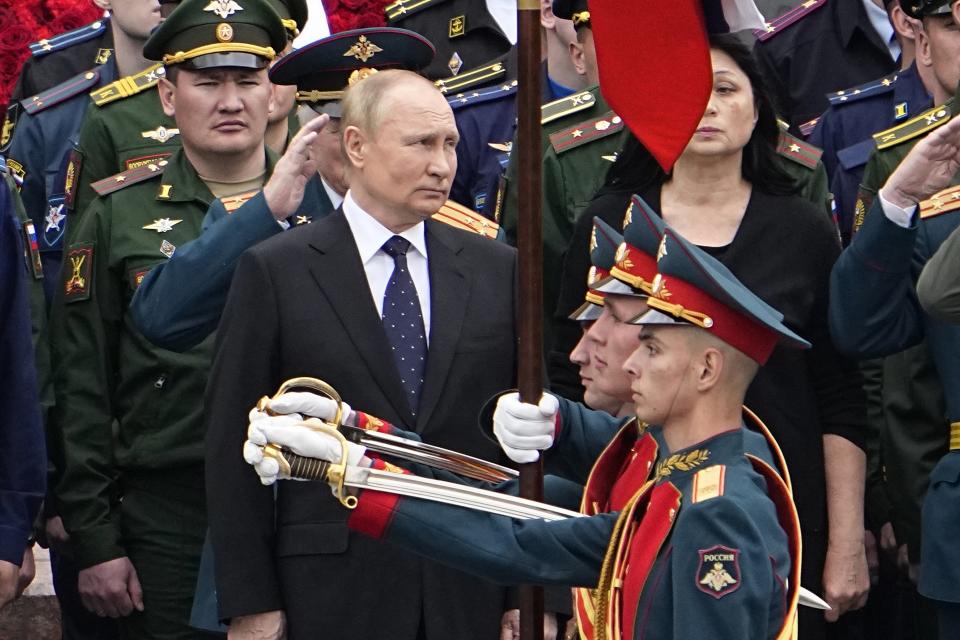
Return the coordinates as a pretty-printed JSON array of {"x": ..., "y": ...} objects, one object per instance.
[
  {"x": 336, "y": 267},
  {"x": 449, "y": 292}
]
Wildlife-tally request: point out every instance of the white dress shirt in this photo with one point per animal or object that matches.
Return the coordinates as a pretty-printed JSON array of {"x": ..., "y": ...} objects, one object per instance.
[
  {"x": 504, "y": 12},
  {"x": 335, "y": 198},
  {"x": 370, "y": 236},
  {"x": 880, "y": 22},
  {"x": 896, "y": 214}
]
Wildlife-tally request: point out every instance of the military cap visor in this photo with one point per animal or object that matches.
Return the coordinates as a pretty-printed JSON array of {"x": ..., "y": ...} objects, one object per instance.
[
  {"x": 923, "y": 8},
  {"x": 198, "y": 31},
  {"x": 322, "y": 70}
]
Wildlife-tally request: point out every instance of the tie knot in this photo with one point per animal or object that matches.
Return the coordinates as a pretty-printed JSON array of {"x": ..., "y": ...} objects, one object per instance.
[{"x": 396, "y": 246}]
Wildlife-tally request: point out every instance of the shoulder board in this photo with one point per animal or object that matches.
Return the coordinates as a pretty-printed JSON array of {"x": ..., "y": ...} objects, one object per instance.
[
  {"x": 129, "y": 86},
  {"x": 943, "y": 202},
  {"x": 459, "y": 216},
  {"x": 587, "y": 131},
  {"x": 128, "y": 177},
  {"x": 708, "y": 483},
  {"x": 865, "y": 90},
  {"x": 487, "y": 74},
  {"x": 565, "y": 106},
  {"x": 397, "y": 11},
  {"x": 807, "y": 127},
  {"x": 483, "y": 95},
  {"x": 913, "y": 128},
  {"x": 777, "y": 25},
  {"x": 799, "y": 151},
  {"x": 68, "y": 38},
  {"x": 856, "y": 155},
  {"x": 63, "y": 91}
]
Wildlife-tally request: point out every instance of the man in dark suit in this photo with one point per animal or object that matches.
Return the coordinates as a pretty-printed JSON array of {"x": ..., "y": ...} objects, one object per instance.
[{"x": 334, "y": 300}]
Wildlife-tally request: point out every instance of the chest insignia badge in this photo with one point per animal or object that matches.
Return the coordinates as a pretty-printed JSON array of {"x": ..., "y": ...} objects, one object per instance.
[{"x": 162, "y": 225}]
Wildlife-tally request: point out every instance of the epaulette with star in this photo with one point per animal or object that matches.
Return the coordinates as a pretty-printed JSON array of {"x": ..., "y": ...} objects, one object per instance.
[
  {"x": 459, "y": 216},
  {"x": 799, "y": 151},
  {"x": 777, "y": 25},
  {"x": 396, "y": 11},
  {"x": 68, "y": 38},
  {"x": 587, "y": 131},
  {"x": 63, "y": 91},
  {"x": 128, "y": 177},
  {"x": 565, "y": 106},
  {"x": 487, "y": 74},
  {"x": 943, "y": 202},
  {"x": 128, "y": 86},
  {"x": 483, "y": 95},
  {"x": 913, "y": 128},
  {"x": 865, "y": 90}
]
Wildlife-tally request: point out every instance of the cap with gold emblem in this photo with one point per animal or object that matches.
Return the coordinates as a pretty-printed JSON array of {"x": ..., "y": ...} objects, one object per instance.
[
  {"x": 203, "y": 34},
  {"x": 603, "y": 250},
  {"x": 694, "y": 289},
  {"x": 922, "y": 8},
  {"x": 322, "y": 70},
  {"x": 636, "y": 259},
  {"x": 575, "y": 10}
]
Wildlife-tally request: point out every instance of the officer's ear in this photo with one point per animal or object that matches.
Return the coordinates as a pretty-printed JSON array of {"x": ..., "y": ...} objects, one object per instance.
[
  {"x": 709, "y": 367},
  {"x": 578, "y": 57},
  {"x": 547, "y": 20},
  {"x": 354, "y": 145},
  {"x": 167, "y": 90},
  {"x": 923, "y": 46}
]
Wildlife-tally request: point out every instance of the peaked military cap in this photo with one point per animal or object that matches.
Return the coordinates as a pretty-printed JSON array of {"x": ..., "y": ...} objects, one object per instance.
[
  {"x": 293, "y": 14},
  {"x": 922, "y": 8},
  {"x": 692, "y": 288},
  {"x": 322, "y": 70},
  {"x": 202, "y": 34},
  {"x": 575, "y": 10},
  {"x": 604, "y": 242},
  {"x": 636, "y": 259}
]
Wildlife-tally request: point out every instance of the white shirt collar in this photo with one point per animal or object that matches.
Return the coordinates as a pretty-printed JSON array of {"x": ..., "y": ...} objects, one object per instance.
[
  {"x": 504, "y": 12},
  {"x": 881, "y": 24},
  {"x": 370, "y": 235},
  {"x": 335, "y": 198}
]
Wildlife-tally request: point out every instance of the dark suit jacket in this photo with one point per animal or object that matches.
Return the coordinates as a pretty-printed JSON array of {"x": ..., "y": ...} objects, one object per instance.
[{"x": 299, "y": 305}]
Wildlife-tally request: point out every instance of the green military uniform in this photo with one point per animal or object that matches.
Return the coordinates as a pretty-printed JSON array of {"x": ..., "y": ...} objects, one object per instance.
[
  {"x": 130, "y": 413},
  {"x": 127, "y": 127}
]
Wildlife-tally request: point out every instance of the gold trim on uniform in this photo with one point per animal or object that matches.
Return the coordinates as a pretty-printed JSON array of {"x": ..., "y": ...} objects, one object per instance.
[
  {"x": 681, "y": 462},
  {"x": 234, "y": 47},
  {"x": 913, "y": 128},
  {"x": 954, "y": 436},
  {"x": 942, "y": 202}
]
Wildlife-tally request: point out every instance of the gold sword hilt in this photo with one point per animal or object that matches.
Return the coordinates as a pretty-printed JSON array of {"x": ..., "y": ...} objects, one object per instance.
[{"x": 309, "y": 384}]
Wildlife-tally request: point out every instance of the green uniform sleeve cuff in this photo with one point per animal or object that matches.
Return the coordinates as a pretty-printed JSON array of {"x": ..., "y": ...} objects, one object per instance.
[{"x": 96, "y": 545}]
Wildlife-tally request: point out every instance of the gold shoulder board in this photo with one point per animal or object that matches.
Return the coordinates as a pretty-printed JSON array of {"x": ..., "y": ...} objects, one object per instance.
[
  {"x": 129, "y": 177},
  {"x": 459, "y": 216},
  {"x": 129, "y": 86},
  {"x": 913, "y": 128},
  {"x": 708, "y": 483}
]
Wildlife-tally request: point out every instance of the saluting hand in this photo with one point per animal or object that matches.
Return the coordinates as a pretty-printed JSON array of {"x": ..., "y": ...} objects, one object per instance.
[
  {"x": 298, "y": 164},
  {"x": 927, "y": 169}
]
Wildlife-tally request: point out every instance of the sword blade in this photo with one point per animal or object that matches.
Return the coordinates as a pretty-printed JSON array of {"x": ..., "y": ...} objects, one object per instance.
[{"x": 810, "y": 599}]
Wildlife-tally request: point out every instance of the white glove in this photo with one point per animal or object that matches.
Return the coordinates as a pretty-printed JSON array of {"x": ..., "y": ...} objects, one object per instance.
[
  {"x": 309, "y": 404},
  {"x": 522, "y": 429},
  {"x": 302, "y": 440}
]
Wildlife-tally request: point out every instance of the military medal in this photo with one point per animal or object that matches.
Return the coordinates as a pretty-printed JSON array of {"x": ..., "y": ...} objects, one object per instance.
[{"x": 162, "y": 225}]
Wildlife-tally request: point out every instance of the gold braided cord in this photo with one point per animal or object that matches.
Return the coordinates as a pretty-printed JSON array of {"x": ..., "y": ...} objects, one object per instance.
[
  {"x": 319, "y": 96},
  {"x": 634, "y": 281},
  {"x": 291, "y": 26},
  {"x": 581, "y": 17},
  {"x": 233, "y": 47},
  {"x": 679, "y": 311},
  {"x": 594, "y": 298}
]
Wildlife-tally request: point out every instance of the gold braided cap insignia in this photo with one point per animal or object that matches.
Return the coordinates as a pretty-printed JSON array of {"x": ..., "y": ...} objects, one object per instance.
[
  {"x": 681, "y": 462},
  {"x": 223, "y": 8},
  {"x": 360, "y": 74},
  {"x": 581, "y": 17},
  {"x": 362, "y": 50}
]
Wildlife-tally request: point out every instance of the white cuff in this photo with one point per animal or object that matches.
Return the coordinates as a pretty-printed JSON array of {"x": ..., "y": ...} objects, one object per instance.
[
  {"x": 283, "y": 224},
  {"x": 896, "y": 214}
]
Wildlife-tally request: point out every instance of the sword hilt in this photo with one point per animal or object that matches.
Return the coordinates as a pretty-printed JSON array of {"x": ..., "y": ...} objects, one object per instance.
[{"x": 311, "y": 384}]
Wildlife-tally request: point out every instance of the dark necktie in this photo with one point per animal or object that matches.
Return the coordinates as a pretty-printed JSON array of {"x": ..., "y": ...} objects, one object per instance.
[{"x": 403, "y": 322}]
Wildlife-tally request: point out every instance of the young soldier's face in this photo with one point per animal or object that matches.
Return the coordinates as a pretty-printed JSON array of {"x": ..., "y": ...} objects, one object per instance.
[
  {"x": 615, "y": 340},
  {"x": 584, "y": 356},
  {"x": 662, "y": 381},
  {"x": 221, "y": 111}
]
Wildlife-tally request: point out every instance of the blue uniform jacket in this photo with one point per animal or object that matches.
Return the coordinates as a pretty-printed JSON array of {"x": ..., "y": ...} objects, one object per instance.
[
  {"x": 845, "y": 132},
  {"x": 42, "y": 143},
  {"x": 23, "y": 456},
  {"x": 874, "y": 312},
  {"x": 179, "y": 302},
  {"x": 678, "y": 600}
]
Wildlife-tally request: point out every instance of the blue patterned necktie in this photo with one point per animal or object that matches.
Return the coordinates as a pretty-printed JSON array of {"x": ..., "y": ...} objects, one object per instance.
[{"x": 403, "y": 322}]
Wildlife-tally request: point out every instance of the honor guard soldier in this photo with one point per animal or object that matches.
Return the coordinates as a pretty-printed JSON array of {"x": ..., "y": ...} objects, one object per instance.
[
  {"x": 40, "y": 151},
  {"x": 907, "y": 208},
  {"x": 684, "y": 529},
  {"x": 822, "y": 46},
  {"x": 131, "y": 493},
  {"x": 128, "y": 129},
  {"x": 53, "y": 61},
  {"x": 179, "y": 303}
]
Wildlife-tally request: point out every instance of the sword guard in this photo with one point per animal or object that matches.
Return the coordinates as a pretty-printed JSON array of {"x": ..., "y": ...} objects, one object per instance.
[{"x": 314, "y": 385}]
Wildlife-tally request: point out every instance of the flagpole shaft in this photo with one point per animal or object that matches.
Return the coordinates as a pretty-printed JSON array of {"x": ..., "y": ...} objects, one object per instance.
[{"x": 530, "y": 249}]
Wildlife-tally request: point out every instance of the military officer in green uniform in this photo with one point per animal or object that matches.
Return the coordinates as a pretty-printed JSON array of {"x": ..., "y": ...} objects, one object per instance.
[
  {"x": 132, "y": 495},
  {"x": 127, "y": 127},
  {"x": 686, "y": 536},
  {"x": 906, "y": 210}
]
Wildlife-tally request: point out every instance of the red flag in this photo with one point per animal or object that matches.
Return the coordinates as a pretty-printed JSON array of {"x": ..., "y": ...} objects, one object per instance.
[{"x": 655, "y": 72}]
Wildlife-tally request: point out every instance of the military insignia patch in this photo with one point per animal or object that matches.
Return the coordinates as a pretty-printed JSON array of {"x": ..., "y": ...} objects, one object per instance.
[
  {"x": 77, "y": 271},
  {"x": 74, "y": 164},
  {"x": 455, "y": 63},
  {"x": 303, "y": 220},
  {"x": 223, "y": 8},
  {"x": 718, "y": 572},
  {"x": 457, "y": 27},
  {"x": 33, "y": 250},
  {"x": 102, "y": 56},
  {"x": 162, "y": 225},
  {"x": 167, "y": 248},
  {"x": 9, "y": 123},
  {"x": 362, "y": 50},
  {"x": 17, "y": 171},
  {"x": 137, "y": 276},
  {"x": 161, "y": 134},
  {"x": 224, "y": 32},
  {"x": 54, "y": 223},
  {"x": 901, "y": 110}
]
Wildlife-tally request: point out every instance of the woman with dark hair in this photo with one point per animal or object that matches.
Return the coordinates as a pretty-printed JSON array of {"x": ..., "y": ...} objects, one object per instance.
[{"x": 729, "y": 193}]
